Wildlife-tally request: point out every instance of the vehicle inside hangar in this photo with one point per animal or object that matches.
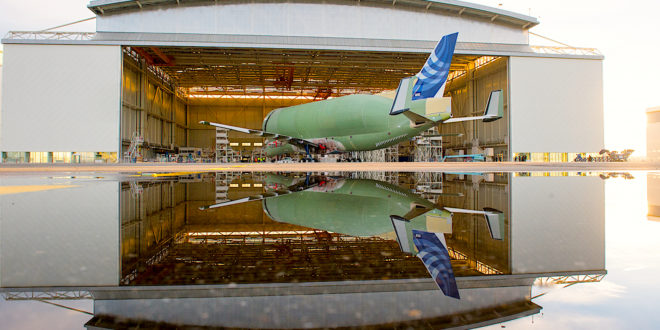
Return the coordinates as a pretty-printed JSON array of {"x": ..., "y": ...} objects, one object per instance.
[{"x": 168, "y": 90}]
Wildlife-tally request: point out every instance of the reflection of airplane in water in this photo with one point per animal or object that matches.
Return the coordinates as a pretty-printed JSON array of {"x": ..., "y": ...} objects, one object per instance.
[
  {"x": 363, "y": 208},
  {"x": 153, "y": 259}
]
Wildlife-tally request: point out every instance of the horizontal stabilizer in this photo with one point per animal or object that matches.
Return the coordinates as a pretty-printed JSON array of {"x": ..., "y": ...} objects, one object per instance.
[
  {"x": 417, "y": 119},
  {"x": 494, "y": 218},
  {"x": 494, "y": 109},
  {"x": 495, "y": 106}
]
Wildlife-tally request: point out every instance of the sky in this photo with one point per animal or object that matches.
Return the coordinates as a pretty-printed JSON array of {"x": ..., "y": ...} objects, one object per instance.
[{"x": 625, "y": 32}]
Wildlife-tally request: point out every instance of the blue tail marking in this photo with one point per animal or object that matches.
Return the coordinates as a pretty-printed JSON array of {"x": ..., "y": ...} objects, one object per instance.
[
  {"x": 436, "y": 69},
  {"x": 435, "y": 257}
]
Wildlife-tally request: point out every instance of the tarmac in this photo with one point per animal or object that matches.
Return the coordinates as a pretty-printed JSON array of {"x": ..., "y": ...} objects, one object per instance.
[{"x": 185, "y": 168}]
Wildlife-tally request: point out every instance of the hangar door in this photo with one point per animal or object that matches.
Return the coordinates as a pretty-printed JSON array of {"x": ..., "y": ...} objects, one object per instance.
[
  {"x": 556, "y": 104},
  {"x": 60, "y": 98}
]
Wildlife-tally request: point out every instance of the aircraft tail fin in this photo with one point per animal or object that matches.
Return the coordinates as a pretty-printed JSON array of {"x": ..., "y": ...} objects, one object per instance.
[
  {"x": 430, "y": 80},
  {"x": 433, "y": 75}
]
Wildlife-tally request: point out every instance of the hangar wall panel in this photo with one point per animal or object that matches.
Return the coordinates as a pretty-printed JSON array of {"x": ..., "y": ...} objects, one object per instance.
[
  {"x": 248, "y": 113},
  {"x": 310, "y": 19},
  {"x": 470, "y": 95},
  {"x": 149, "y": 220},
  {"x": 131, "y": 102},
  {"x": 470, "y": 233},
  {"x": 570, "y": 212},
  {"x": 61, "y": 98},
  {"x": 556, "y": 105},
  {"x": 150, "y": 109}
]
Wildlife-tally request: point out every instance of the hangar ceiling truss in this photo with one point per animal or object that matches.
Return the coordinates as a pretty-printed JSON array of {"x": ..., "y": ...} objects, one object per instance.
[{"x": 314, "y": 73}]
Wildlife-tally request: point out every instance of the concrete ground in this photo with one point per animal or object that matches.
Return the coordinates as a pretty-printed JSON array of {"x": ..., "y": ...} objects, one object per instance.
[{"x": 184, "y": 168}]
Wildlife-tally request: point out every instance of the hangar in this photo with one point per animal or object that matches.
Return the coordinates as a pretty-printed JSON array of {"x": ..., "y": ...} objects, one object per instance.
[{"x": 154, "y": 68}]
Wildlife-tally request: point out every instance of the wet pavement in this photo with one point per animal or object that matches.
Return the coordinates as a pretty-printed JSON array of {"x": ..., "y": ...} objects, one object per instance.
[{"x": 329, "y": 249}]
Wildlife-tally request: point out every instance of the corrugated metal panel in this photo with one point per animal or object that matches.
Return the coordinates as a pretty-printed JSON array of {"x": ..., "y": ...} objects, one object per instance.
[
  {"x": 103, "y": 7},
  {"x": 330, "y": 19},
  {"x": 469, "y": 98}
]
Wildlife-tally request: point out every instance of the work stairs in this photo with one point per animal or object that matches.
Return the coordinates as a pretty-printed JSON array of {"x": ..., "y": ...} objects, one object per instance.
[{"x": 133, "y": 151}]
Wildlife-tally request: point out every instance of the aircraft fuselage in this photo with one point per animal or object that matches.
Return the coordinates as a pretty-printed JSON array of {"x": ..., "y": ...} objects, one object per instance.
[{"x": 356, "y": 122}]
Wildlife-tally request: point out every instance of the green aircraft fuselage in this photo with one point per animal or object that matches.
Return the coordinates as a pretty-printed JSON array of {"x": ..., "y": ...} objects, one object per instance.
[
  {"x": 356, "y": 207},
  {"x": 356, "y": 122}
]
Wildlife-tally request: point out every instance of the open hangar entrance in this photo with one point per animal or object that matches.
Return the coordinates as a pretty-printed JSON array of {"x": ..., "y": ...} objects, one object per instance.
[{"x": 166, "y": 91}]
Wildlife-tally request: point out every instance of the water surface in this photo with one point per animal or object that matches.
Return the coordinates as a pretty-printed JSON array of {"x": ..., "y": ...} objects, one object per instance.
[{"x": 268, "y": 250}]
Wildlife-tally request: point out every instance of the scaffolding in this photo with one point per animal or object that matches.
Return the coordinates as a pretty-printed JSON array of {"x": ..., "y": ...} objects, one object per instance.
[
  {"x": 428, "y": 148},
  {"x": 222, "y": 181},
  {"x": 223, "y": 151},
  {"x": 370, "y": 156},
  {"x": 429, "y": 184},
  {"x": 392, "y": 153}
]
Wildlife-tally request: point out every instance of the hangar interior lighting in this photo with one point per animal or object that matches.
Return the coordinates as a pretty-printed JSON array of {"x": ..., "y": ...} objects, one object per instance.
[{"x": 250, "y": 96}]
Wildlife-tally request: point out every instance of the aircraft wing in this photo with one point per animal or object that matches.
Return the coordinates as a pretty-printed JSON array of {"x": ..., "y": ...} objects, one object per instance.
[
  {"x": 265, "y": 195},
  {"x": 299, "y": 186},
  {"x": 270, "y": 136}
]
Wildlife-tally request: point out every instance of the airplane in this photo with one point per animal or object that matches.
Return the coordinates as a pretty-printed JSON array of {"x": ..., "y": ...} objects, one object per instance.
[
  {"x": 363, "y": 122},
  {"x": 377, "y": 209}
]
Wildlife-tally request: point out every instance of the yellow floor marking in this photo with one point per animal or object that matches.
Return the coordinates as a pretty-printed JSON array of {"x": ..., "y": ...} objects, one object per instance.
[
  {"x": 219, "y": 169},
  {"x": 238, "y": 165},
  {"x": 10, "y": 190}
]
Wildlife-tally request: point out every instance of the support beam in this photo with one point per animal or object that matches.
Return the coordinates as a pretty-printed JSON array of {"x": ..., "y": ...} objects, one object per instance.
[
  {"x": 144, "y": 55},
  {"x": 166, "y": 59}
]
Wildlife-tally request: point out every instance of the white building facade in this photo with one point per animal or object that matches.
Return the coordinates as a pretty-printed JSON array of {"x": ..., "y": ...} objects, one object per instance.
[{"x": 75, "y": 97}]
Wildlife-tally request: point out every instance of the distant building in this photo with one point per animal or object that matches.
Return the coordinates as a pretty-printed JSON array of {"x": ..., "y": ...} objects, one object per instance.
[
  {"x": 653, "y": 133},
  {"x": 653, "y": 196}
]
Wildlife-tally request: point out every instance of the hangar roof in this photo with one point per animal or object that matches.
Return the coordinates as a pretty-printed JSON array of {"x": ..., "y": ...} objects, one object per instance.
[{"x": 102, "y": 7}]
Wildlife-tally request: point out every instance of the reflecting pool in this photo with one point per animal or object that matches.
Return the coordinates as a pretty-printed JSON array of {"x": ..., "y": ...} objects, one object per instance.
[{"x": 320, "y": 250}]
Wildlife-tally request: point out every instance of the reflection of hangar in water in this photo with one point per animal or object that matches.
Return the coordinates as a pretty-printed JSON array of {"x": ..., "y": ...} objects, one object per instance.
[
  {"x": 146, "y": 241},
  {"x": 153, "y": 69}
]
